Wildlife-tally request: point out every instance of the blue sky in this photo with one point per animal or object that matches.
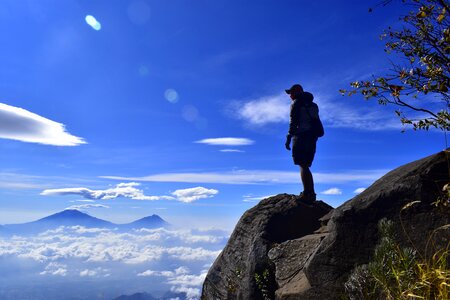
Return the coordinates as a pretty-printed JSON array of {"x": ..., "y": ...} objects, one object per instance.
[{"x": 128, "y": 117}]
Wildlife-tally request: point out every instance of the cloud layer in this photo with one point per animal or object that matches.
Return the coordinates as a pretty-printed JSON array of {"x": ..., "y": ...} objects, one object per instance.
[
  {"x": 130, "y": 190},
  {"x": 22, "y": 125},
  {"x": 76, "y": 251},
  {"x": 258, "y": 177}
]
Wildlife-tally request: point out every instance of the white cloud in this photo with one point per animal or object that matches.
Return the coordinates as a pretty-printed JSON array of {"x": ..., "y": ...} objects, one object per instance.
[
  {"x": 332, "y": 191},
  {"x": 178, "y": 271},
  {"x": 126, "y": 190},
  {"x": 193, "y": 194},
  {"x": 181, "y": 280},
  {"x": 258, "y": 177},
  {"x": 188, "y": 279},
  {"x": 186, "y": 236},
  {"x": 148, "y": 273},
  {"x": 264, "y": 110},
  {"x": 129, "y": 190},
  {"x": 94, "y": 272},
  {"x": 359, "y": 190},
  {"x": 231, "y": 150},
  {"x": 335, "y": 112},
  {"x": 87, "y": 272},
  {"x": 227, "y": 141},
  {"x": 54, "y": 268},
  {"x": 181, "y": 270},
  {"x": 22, "y": 125},
  {"x": 251, "y": 198},
  {"x": 87, "y": 206},
  {"x": 191, "y": 293}
]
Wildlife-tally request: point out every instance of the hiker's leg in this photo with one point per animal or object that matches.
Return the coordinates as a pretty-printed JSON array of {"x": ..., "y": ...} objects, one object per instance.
[{"x": 307, "y": 180}]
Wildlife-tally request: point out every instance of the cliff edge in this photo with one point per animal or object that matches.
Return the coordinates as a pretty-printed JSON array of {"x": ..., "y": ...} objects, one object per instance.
[{"x": 284, "y": 249}]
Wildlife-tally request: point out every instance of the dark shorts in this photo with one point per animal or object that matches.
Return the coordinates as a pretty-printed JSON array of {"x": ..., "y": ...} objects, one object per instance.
[{"x": 303, "y": 150}]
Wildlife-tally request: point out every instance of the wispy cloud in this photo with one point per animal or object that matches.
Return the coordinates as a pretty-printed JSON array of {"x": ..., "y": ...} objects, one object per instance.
[
  {"x": 83, "y": 200},
  {"x": 22, "y": 125},
  {"x": 130, "y": 190},
  {"x": 231, "y": 150},
  {"x": 359, "y": 190},
  {"x": 335, "y": 112},
  {"x": 257, "y": 177},
  {"x": 87, "y": 206},
  {"x": 227, "y": 141},
  {"x": 251, "y": 198},
  {"x": 17, "y": 181},
  {"x": 332, "y": 191},
  {"x": 178, "y": 271}
]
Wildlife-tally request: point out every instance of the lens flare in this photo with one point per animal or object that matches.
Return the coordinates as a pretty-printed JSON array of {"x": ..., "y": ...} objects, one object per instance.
[
  {"x": 171, "y": 95},
  {"x": 91, "y": 21}
]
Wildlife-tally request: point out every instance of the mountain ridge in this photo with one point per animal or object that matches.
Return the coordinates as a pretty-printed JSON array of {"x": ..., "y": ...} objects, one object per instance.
[{"x": 74, "y": 217}]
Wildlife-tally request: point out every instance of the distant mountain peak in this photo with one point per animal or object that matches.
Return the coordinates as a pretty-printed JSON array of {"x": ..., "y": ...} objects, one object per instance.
[
  {"x": 69, "y": 213},
  {"x": 153, "y": 217},
  {"x": 153, "y": 221}
]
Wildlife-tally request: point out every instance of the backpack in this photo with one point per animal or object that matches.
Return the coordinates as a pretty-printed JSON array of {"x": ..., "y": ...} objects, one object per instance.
[{"x": 317, "y": 126}]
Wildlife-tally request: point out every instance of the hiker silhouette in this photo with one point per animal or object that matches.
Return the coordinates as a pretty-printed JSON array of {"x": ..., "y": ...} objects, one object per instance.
[{"x": 305, "y": 128}]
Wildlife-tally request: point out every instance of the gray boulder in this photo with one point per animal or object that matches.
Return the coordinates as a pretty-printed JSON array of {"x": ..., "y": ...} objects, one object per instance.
[
  {"x": 353, "y": 231},
  {"x": 273, "y": 221}
]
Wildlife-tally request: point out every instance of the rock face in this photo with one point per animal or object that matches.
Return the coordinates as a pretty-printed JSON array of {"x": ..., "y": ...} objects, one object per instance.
[
  {"x": 309, "y": 251},
  {"x": 274, "y": 220}
]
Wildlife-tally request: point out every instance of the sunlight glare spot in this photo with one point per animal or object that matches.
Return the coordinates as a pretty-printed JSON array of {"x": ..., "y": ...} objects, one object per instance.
[
  {"x": 190, "y": 113},
  {"x": 143, "y": 70},
  {"x": 171, "y": 95},
  {"x": 91, "y": 21},
  {"x": 139, "y": 12}
]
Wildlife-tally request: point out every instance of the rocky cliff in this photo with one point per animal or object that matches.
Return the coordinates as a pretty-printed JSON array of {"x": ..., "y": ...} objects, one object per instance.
[{"x": 284, "y": 249}]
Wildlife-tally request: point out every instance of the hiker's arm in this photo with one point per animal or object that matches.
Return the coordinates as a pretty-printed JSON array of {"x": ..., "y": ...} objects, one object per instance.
[
  {"x": 294, "y": 119},
  {"x": 288, "y": 142}
]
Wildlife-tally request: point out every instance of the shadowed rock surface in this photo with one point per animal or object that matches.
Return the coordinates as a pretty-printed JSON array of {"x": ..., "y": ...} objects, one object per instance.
[
  {"x": 310, "y": 251},
  {"x": 272, "y": 221}
]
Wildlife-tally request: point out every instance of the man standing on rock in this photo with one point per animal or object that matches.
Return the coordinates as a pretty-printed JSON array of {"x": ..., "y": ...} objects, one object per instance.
[{"x": 304, "y": 129}]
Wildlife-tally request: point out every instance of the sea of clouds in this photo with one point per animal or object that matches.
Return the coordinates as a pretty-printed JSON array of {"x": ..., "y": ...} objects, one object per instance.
[{"x": 136, "y": 261}]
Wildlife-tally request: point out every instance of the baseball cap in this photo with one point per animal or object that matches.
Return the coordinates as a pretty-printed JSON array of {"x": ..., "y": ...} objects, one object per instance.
[{"x": 294, "y": 87}]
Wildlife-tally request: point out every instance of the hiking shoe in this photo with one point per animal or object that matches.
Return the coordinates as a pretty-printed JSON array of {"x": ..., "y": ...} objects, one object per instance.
[{"x": 308, "y": 198}]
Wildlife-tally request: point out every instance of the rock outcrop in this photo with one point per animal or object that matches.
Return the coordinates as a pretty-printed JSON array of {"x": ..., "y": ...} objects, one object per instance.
[{"x": 283, "y": 249}]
